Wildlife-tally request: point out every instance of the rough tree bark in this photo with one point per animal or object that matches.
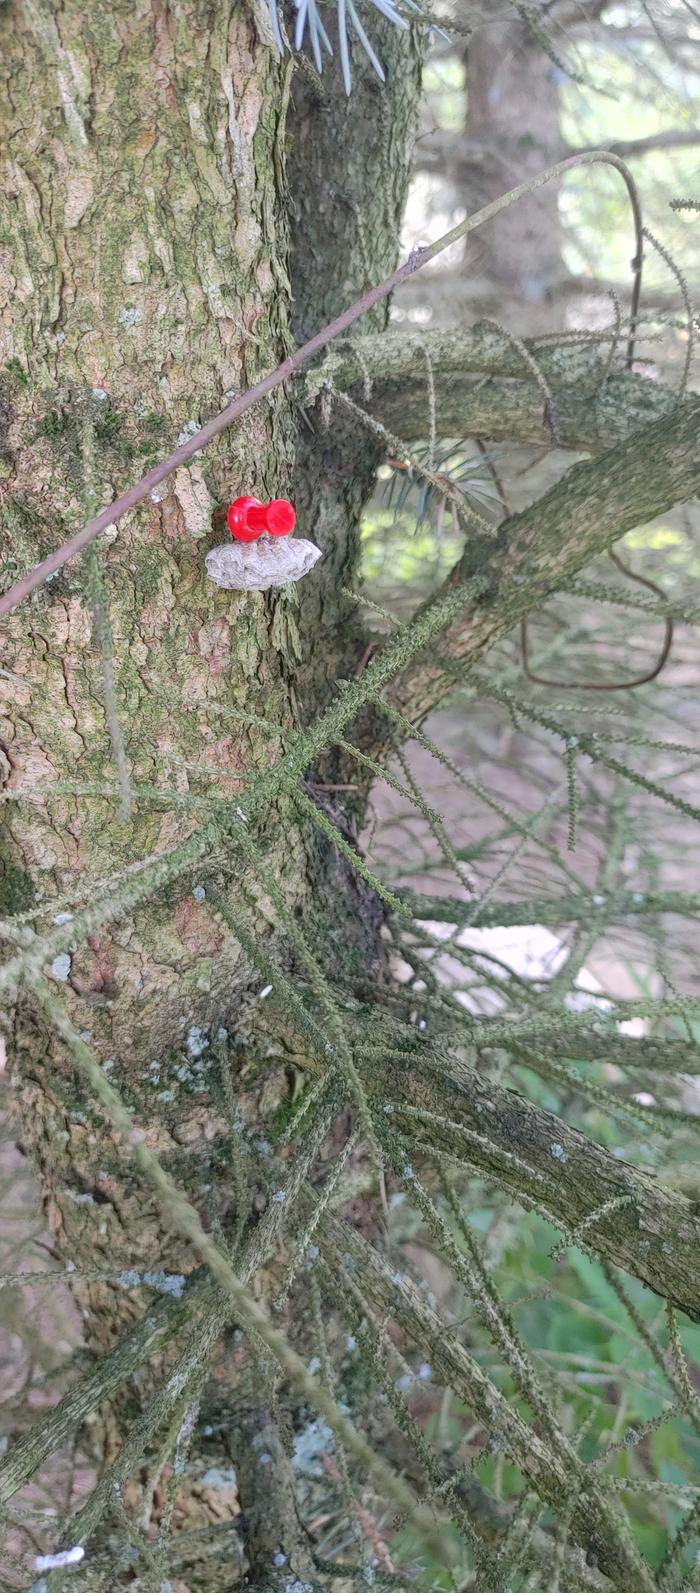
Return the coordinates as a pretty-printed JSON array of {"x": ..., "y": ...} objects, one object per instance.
[
  {"x": 145, "y": 250},
  {"x": 145, "y": 238},
  {"x": 145, "y": 216}
]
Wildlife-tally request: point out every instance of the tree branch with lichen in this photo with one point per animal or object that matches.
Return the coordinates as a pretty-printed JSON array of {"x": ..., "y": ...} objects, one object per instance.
[
  {"x": 483, "y": 387},
  {"x": 535, "y": 551}
]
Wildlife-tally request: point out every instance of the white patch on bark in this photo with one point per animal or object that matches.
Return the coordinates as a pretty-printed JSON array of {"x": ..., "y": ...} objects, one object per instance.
[
  {"x": 188, "y": 430},
  {"x": 194, "y": 499},
  {"x": 68, "y": 73},
  {"x": 134, "y": 268},
  {"x": 55, "y": 1562},
  {"x": 220, "y": 1477},
  {"x": 79, "y": 193},
  {"x": 197, "y": 1041}
]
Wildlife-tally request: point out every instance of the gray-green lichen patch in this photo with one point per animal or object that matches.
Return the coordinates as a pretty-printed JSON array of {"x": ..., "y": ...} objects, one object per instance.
[{"x": 17, "y": 889}]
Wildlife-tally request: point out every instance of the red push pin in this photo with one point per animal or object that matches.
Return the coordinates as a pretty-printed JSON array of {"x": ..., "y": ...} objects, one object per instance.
[{"x": 248, "y": 518}]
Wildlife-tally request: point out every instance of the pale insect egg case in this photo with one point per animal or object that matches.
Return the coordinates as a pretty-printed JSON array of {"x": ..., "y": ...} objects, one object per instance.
[{"x": 259, "y": 566}]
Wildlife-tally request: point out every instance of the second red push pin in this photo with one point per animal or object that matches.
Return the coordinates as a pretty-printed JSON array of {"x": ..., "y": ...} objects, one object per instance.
[{"x": 248, "y": 518}]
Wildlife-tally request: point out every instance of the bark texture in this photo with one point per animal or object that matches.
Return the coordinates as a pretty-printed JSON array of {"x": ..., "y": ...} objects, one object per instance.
[
  {"x": 145, "y": 215},
  {"x": 154, "y": 172},
  {"x": 144, "y": 234}
]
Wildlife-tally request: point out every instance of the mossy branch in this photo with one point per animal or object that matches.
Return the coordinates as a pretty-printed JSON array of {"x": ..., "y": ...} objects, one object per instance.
[
  {"x": 178, "y": 1213},
  {"x": 160, "y": 1325},
  {"x": 536, "y": 550},
  {"x": 592, "y": 412},
  {"x": 552, "y": 910},
  {"x": 654, "y": 1235},
  {"x": 593, "y": 1524}
]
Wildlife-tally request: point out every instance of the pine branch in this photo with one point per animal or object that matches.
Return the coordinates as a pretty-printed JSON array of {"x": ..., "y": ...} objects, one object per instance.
[
  {"x": 547, "y": 1469},
  {"x": 554, "y": 910},
  {"x": 156, "y": 1329},
  {"x": 653, "y": 1235},
  {"x": 181, "y": 1215},
  {"x": 193, "y": 1362},
  {"x": 580, "y": 1038},
  {"x": 536, "y": 550},
  {"x": 481, "y": 350},
  {"x": 589, "y": 419},
  {"x": 591, "y": 413},
  {"x": 631, "y": 148}
]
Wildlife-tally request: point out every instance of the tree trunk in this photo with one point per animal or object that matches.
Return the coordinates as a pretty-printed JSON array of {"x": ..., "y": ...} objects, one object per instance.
[
  {"x": 144, "y": 233},
  {"x": 512, "y": 132}
]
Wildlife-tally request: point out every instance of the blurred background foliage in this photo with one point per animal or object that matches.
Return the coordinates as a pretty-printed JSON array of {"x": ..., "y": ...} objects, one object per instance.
[{"x": 631, "y": 72}]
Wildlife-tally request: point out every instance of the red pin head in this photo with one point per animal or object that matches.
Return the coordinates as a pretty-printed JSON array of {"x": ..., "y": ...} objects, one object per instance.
[{"x": 248, "y": 518}]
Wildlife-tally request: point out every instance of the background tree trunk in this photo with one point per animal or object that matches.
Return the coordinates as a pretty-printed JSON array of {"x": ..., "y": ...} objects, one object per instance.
[{"x": 512, "y": 131}]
